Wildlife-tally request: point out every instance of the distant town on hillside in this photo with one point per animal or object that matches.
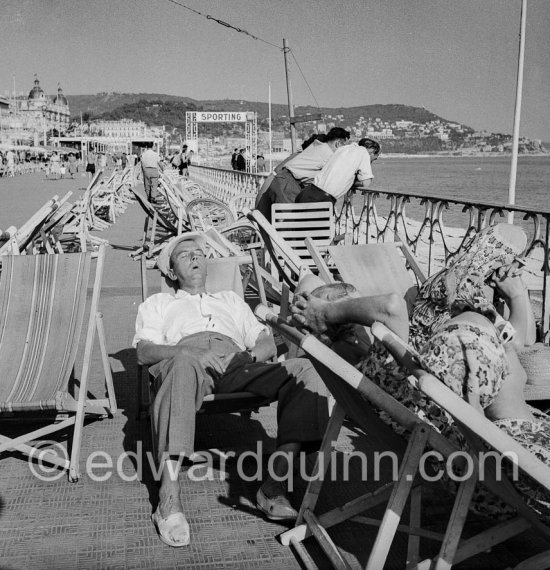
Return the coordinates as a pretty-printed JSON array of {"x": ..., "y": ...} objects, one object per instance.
[{"x": 401, "y": 128}]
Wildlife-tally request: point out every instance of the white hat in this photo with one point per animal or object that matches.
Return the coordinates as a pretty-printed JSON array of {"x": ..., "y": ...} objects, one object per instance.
[{"x": 163, "y": 261}]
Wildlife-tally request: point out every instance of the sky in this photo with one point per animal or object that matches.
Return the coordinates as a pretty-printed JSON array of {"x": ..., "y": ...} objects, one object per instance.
[{"x": 457, "y": 58}]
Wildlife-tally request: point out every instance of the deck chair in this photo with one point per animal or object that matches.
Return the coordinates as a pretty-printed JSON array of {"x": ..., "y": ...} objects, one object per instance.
[
  {"x": 174, "y": 205},
  {"x": 374, "y": 269},
  {"x": 481, "y": 434},
  {"x": 354, "y": 395},
  {"x": 223, "y": 273},
  {"x": 287, "y": 261},
  {"x": 296, "y": 222},
  {"x": 21, "y": 238},
  {"x": 42, "y": 308},
  {"x": 153, "y": 222},
  {"x": 205, "y": 213}
]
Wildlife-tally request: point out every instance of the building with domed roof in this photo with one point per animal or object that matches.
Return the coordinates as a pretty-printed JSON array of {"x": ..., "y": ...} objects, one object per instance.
[{"x": 37, "y": 117}]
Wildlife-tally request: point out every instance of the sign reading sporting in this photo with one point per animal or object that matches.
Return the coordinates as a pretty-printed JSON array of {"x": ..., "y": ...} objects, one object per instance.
[{"x": 223, "y": 116}]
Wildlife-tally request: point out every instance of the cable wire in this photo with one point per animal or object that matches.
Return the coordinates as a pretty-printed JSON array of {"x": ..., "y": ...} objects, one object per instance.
[
  {"x": 304, "y": 78},
  {"x": 241, "y": 31},
  {"x": 225, "y": 24}
]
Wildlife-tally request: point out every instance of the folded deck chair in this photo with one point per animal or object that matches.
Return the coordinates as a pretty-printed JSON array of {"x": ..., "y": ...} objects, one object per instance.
[
  {"x": 22, "y": 237},
  {"x": 224, "y": 273},
  {"x": 42, "y": 310},
  {"x": 154, "y": 221},
  {"x": 175, "y": 203},
  {"x": 355, "y": 394}
]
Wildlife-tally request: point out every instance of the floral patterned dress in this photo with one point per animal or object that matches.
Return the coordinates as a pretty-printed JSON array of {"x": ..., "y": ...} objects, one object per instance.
[{"x": 469, "y": 359}]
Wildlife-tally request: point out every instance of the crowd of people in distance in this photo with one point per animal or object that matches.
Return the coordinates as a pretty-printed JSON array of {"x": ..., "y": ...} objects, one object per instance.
[
  {"x": 63, "y": 163},
  {"x": 181, "y": 160}
]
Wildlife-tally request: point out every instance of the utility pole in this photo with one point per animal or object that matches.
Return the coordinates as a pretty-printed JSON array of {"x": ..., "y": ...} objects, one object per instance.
[
  {"x": 517, "y": 112},
  {"x": 290, "y": 103}
]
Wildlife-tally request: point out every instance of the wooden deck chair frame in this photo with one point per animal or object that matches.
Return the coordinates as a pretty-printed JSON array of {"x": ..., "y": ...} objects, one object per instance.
[
  {"x": 20, "y": 238},
  {"x": 152, "y": 221},
  {"x": 228, "y": 271},
  {"x": 477, "y": 430},
  {"x": 385, "y": 272},
  {"x": 278, "y": 249},
  {"x": 42, "y": 308},
  {"x": 175, "y": 205},
  {"x": 354, "y": 393}
]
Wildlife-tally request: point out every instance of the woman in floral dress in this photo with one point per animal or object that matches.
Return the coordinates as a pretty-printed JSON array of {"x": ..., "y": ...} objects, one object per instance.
[{"x": 462, "y": 340}]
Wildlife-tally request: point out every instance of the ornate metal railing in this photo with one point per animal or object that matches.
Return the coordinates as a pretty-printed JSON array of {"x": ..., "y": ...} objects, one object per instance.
[
  {"x": 435, "y": 228},
  {"x": 237, "y": 189}
]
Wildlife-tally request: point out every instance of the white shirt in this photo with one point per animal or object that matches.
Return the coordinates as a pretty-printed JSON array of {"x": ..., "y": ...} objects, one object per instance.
[
  {"x": 166, "y": 319},
  {"x": 150, "y": 159},
  {"x": 347, "y": 164},
  {"x": 306, "y": 164}
]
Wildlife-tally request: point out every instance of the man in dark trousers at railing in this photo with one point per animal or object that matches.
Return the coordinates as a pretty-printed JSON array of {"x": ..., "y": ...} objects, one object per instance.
[
  {"x": 197, "y": 343},
  {"x": 292, "y": 175},
  {"x": 349, "y": 167}
]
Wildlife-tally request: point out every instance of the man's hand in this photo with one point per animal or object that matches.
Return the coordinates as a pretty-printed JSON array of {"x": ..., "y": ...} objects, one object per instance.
[
  {"x": 310, "y": 312},
  {"x": 214, "y": 363}
]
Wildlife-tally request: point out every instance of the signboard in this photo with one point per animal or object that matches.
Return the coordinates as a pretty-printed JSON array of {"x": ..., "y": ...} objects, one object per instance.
[
  {"x": 223, "y": 116},
  {"x": 305, "y": 118}
]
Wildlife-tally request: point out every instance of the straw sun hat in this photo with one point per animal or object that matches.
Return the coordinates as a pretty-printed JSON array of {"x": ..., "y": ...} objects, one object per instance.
[{"x": 163, "y": 261}]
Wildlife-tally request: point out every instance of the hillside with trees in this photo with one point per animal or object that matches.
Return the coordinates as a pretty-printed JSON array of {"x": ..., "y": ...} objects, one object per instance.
[
  {"x": 401, "y": 128},
  {"x": 169, "y": 110}
]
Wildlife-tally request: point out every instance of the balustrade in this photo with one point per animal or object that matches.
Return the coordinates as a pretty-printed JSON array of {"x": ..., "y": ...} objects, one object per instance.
[
  {"x": 435, "y": 229},
  {"x": 234, "y": 188}
]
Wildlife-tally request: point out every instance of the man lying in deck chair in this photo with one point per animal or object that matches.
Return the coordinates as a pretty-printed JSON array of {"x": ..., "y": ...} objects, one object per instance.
[
  {"x": 461, "y": 340},
  {"x": 198, "y": 343}
]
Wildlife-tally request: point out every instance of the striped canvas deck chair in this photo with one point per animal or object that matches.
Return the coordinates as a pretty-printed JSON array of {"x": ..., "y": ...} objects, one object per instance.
[
  {"x": 224, "y": 273},
  {"x": 42, "y": 313},
  {"x": 356, "y": 396}
]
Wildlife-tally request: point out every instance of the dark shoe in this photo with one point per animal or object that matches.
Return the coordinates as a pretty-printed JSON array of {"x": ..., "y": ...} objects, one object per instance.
[{"x": 277, "y": 508}]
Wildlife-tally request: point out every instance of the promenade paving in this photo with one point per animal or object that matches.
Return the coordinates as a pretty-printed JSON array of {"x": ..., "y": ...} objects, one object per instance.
[{"x": 47, "y": 522}]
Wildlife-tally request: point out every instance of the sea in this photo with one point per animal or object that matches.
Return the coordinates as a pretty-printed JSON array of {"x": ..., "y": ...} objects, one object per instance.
[{"x": 478, "y": 179}]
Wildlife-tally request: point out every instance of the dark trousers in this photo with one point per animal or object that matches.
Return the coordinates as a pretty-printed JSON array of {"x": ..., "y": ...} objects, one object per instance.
[
  {"x": 181, "y": 384},
  {"x": 283, "y": 190},
  {"x": 311, "y": 193}
]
